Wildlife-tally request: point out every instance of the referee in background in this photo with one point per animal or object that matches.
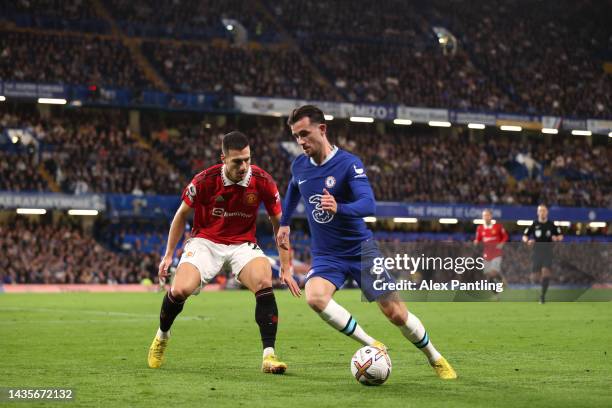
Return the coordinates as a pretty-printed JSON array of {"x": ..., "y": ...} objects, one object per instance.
[{"x": 542, "y": 233}]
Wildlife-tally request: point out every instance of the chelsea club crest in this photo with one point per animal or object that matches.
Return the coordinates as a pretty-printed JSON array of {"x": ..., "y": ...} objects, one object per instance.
[{"x": 330, "y": 181}]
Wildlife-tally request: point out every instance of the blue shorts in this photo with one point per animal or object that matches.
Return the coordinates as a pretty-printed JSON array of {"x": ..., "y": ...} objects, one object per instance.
[{"x": 337, "y": 269}]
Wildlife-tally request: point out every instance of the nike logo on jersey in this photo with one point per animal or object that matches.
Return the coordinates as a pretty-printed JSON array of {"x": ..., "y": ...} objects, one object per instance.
[{"x": 301, "y": 181}]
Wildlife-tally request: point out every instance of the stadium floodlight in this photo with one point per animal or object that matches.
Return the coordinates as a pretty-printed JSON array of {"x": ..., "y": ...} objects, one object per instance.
[
  {"x": 438, "y": 123},
  {"x": 82, "y": 212},
  {"x": 405, "y": 122},
  {"x": 31, "y": 211},
  {"x": 361, "y": 119},
  {"x": 550, "y": 131},
  {"x": 610, "y": 134},
  {"x": 448, "y": 221},
  {"x": 479, "y": 221},
  {"x": 2, "y": 98},
  {"x": 328, "y": 117},
  {"x": 369, "y": 219},
  {"x": 52, "y": 101},
  {"x": 524, "y": 223},
  {"x": 229, "y": 27},
  {"x": 476, "y": 125},
  {"x": 597, "y": 224},
  {"x": 510, "y": 128},
  {"x": 563, "y": 223},
  {"x": 581, "y": 132},
  {"x": 407, "y": 220}
]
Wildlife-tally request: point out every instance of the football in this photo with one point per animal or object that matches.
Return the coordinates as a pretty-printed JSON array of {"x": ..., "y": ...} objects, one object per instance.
[{"x": 371, "y": 366}]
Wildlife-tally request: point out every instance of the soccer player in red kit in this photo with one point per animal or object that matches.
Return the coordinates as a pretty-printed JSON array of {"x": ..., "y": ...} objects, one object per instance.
[
  {"x": 225, "y": 199},
  {"x": 493, "y": 236}
]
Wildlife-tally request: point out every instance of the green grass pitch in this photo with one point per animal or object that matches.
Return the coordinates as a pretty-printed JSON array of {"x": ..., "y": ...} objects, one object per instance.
[{"x": 506, "y": 354}]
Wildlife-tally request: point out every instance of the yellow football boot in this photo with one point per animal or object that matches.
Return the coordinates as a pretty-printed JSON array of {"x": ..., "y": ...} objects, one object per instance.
[
  {"x": 444, "y": 370},
  {"x": 379, "y": 345},
  {"x": 271, "y": 364},
  {"x": 156, "y": 352}
]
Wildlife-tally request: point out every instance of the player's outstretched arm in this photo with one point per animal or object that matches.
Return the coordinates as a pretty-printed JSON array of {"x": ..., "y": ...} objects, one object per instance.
[
  {"x": 282, "y": 243},
  {"x": 177, "y": 228},
  {"x": 292, "y": 198}
]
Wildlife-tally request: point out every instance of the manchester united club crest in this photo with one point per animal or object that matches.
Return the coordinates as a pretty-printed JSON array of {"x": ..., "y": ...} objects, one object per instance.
[{"x": 250, "y": 199}]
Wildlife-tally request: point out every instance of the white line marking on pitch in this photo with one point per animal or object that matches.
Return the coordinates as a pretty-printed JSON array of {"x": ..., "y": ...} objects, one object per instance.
[{"x": 96, "y": 313}]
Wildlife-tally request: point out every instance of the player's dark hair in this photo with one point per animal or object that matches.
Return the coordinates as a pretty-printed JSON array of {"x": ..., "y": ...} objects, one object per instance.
[
  {"x": 234, "y": 141},
  {"x": 307, "y": 111}
]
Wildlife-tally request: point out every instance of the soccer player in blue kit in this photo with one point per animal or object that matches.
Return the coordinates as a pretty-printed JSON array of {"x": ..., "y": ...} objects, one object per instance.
[{"x": 337, "y": 195}]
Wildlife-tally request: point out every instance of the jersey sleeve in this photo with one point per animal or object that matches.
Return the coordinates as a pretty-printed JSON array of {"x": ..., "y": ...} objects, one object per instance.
[
  {"x": 528, "y": 231},
  {"x": 292, "y": 198},
  {"x": 478, "y": 237},
  {"x": 194, "y": 192},
  {"x": 503, "y": 234},
  {"x": 364, "y": 204},
  {"x": 271, "y": 197}
]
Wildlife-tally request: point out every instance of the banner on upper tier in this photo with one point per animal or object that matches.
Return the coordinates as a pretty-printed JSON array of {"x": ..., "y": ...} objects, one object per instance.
[
  {"x": 32, "y": 90},
  {"x": 600, "y": 127},
  {"x": 164, "y": 206},
  {"x": 530, "y": 122},
  {"x": 422, "y": 115},
  {"x": 283, "y": 107},
  {"x": 473, "y": 117},
  {"x": 52, "y": 201}
]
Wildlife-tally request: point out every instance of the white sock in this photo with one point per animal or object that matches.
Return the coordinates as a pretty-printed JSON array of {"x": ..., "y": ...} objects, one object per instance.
[
  {"x": 340, "y": 319},
  {"x": 414, "y": 331},
  {"x": 163, "y": 335},
  {"x": 268, "y": 351}
]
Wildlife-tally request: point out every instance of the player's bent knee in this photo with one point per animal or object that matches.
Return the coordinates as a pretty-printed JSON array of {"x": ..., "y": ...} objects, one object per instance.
[
  {"x": 317, "y": 301},
  {"x": 396, "y": 313},
  {"x": 186, "y": 281},
  {"x": 256, "y": 275}
]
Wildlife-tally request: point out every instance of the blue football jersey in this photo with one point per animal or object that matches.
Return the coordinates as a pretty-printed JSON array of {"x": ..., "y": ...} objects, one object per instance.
[{"x": 344, "y": 176}]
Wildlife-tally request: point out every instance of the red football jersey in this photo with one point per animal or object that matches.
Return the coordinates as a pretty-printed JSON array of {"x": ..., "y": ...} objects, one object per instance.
[
  {"x": 491, "y": 236},
  {"x": 225, "y": 212}
]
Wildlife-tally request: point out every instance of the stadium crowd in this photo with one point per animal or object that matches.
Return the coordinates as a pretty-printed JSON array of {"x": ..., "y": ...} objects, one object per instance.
[
  {"x": 548, "y": 55},
  {"x": 64, "y": 253},
  {"x": 98, "y": 153},
  {"x": 547, "y": 61},
  {"x": 408, "y": 166},
  {"x": 404, "y": 75},
  {"x": 189, "y": 19},
  {"x": 84, "y": 153},
  {"x": 204, "y": 67},
  {"x": 68, "y": 59},
  {"x": 75, "y": 15},
  {"x": 19, "y": 172}
]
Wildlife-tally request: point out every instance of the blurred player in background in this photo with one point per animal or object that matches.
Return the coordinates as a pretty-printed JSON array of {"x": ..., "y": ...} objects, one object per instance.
[
  {"x": 226, "y": 199},
  {"x": 542, "y": 233},
  {"x": 493, "y": 236},
  {"x": 337, "y": 195}
]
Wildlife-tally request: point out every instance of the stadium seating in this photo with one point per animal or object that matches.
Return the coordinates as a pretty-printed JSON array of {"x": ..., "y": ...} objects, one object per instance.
[
  {"x": 68, "y": 59},
  {"x": 64, "y": 253},
  {"x": 208, "y": 68},
  {"x": 89, "y": 155},
  {"x": 549, "y": 62}
]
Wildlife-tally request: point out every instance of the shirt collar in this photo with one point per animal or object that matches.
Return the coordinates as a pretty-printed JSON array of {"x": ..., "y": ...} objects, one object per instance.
[
  {"x": 244, "y": 182},
  {"x": 328, "y": 158}
]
